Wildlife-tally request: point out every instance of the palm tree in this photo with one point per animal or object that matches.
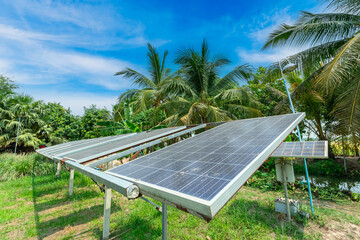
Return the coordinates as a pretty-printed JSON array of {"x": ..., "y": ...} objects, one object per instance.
[
  {"x": 334, "y": 56},
  {"x": 32, "y": 127},
  {"x": 307, "y": 99},
  {"x": 154, "y": 89},
  {"x": 200, "y": 95}
]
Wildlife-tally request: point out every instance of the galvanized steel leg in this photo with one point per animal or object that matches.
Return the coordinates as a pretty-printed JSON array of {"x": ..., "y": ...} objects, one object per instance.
[
  {"x": 285, "y": 190},
  {"x": 58, "y": 169},
  {"x": 164, "y": 221},
  {"x": 71, "y": 183},
  {"x": 107, "y": 211}
]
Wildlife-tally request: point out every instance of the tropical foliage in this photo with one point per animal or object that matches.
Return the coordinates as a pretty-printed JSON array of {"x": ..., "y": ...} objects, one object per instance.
[
  {"x": 154, "y": 89},
  {"x": 332, "y": 59},
  {"x": 195, "y": 93},
  {"x": 20, "y": 113}
]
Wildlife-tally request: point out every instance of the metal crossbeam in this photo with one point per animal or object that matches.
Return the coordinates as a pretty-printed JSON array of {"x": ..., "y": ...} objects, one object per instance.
[{"x": 124, "y": 187}]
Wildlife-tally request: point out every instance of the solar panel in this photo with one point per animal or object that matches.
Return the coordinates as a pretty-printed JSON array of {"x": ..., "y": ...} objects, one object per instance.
[
  {"x": 114, "y": 145},
  {"x": 309, "y": 149},
  {"x": 76, "y": 145},
  {"x": 202, "y": 173}
]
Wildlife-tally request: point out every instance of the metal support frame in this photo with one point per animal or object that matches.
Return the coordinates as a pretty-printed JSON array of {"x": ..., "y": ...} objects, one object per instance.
[
  {"x": 157, "y": 207},
  {"x": 71, "y": 182},
  {"x": 285, "y": 190},
  {"x": 300, "y": 139},
  {"x": 164, "y": 221},
  {"x": 107, "y": 212},
  {"x": 143, "y": 146},
  {"x": 124, "y": 187}
]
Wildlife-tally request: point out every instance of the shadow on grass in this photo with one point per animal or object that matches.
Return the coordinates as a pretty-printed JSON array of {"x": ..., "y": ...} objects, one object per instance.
[
  {"x": 78, "y": 196},
  {"x": 251, "y": 214},
  {"x": 45, "y": 187},
  {"x": 136, "y": 227},
  {"x": 48, "y": 185},
  {"x": 53, "y": 215}
]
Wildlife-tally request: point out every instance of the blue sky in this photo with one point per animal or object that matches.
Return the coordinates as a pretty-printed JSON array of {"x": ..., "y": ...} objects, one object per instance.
[{"x": 68, "y": 51}]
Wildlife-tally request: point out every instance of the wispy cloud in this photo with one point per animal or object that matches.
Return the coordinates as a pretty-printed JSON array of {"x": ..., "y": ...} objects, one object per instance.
[
  {"x": 54, "y": 64},
  {"x": 74, "y": 100},
  {"x": 259, "y": 34},
  {"x": 269, "y": 24},
  {"x": 7, "y": 31},
  {"x": 258, "y": 57},
  {"x": 85, "y": 15}
]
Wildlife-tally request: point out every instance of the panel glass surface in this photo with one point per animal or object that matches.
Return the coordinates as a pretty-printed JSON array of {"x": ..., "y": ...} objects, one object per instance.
[
  {"x": 119, "y": 144},
  {"x": 309, "y": 149},
  {"x": 73, "y": 145},
  {"x": 203, "y": 165}
]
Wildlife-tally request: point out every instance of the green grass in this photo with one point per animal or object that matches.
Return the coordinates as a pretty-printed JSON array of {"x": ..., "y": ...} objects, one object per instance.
[{"x": 39, "y": 207}]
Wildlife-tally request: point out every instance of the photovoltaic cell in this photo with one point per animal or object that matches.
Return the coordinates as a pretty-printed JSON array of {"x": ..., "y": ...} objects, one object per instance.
[
  {"x": 309, "y": 149},
  {"x": 211, "y": 166}
]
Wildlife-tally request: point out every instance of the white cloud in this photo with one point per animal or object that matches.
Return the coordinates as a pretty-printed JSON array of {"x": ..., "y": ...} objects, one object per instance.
[
  {"x": 29, "y": 60},
  {"x": 10, "y": 32},
  {"x": 76, "y": 101},
  {"x": 269, "y": 24},
  {"x": 260, "y": 34},
  {"x": 79, "y": 14},
  {"x": 258, "y": 57},
  {"x": 97, "y": 70},
  {"x": 4, "y": 66}
]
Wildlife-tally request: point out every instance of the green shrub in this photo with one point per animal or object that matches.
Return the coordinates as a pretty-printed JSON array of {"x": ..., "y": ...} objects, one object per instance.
[
  {"x": 16, "y": 166},
  {"x": 326, "y": 167}
]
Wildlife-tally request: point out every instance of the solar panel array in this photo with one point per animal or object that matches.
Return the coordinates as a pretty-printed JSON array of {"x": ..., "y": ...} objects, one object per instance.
[
  {"x": 203, "y": 166},
  {"x": 310, "y": 149},
  {"x": 89, "y": 149},
  {"x": 75, "y": 145}
]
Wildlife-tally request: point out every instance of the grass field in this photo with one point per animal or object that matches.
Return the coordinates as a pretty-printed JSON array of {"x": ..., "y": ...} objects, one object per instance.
[{"x": 40, "y": 208}]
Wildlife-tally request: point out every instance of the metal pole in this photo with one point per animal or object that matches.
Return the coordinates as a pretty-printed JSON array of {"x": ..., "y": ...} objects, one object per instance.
[
  {"x": 164, "y": 221},
  {"x": 58, "y": 169},
  {"x": 285, "y": 190},
  {"x": 300, "y": 139},
  {"x": 107, "y": 211},
  {"x": 71, "y": 183},
  {"x": 17, "y": 135}
]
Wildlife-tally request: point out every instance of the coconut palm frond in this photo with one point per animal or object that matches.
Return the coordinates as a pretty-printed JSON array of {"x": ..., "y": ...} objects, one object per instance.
[
  {"x": 347, "y": 6},
  {"x": 137, "y": 77},
  {"x": 313, "y": 58},
  {"x": 246, "y": 112},
  {"x": 347, "y": 105},
  {"x": 128, "y": 95},
  {"x": 240, "y": 74},
  {"x": 341, "y": 67},
  {"x": 312, "y": 29},
  {"x": 234, "y": 94},
  {"x": 177, "y": 86}
]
